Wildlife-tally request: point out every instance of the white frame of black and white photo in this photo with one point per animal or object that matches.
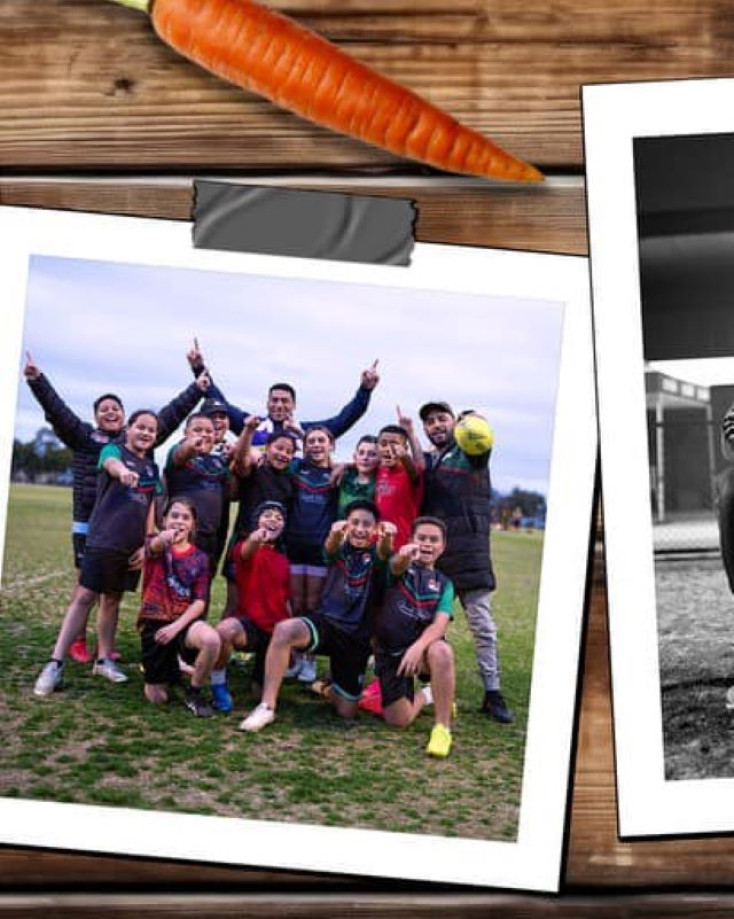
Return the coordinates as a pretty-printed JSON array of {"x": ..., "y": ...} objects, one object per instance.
[
  {"x": 534, "y": 859},
  {"x": 615, "y": 116}
]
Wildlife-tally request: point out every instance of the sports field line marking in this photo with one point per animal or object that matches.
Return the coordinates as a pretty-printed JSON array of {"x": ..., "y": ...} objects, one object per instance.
[{"x": 30, "y": 582}]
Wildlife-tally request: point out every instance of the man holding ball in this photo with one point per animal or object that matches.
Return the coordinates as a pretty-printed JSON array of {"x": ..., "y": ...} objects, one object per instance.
[{"x": 457, "y": 491}]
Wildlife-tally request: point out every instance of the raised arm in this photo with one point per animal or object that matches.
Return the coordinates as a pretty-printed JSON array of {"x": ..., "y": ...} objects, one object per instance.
[
  {"x": 406, "y": 422},
  {"x": 68, "y": 426},
  {"x": 176, "y": 411},
  {"x": 241, "y": 459},
  {"x": 354, "y": 409},
  {"x": 237, "y": 416},
  {"x": 336, "y": 537},
  {"x": 400, "y": 562},
  {"x": 385, "y": 537}
]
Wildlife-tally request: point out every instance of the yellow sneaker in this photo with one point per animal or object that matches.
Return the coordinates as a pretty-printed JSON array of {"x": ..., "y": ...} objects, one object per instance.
[{"x": 440, "y": 742}]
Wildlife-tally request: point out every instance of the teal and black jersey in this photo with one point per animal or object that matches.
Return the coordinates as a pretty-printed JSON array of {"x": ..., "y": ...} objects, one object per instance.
[
  {"x": 120, "y": 512},
  {"x": 313, "y": 508},
  {"x": 351, "y": 581},
  {"x": 202, "y": 479},
  {"x": 412, "y": 602},
  {"x": 351, "y": 489}
]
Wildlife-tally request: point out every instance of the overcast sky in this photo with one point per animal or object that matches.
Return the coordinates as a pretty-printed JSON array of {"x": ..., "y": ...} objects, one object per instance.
[{"x": 95, "y": 327}]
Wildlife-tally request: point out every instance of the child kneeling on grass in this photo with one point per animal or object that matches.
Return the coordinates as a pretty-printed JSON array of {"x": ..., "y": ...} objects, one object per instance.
[
  {"x": 262, "y": 575},
  {"x": 342, "y": 626},
  {"x": 410, "y": 635},
  {"x": 172, "y": 607}
]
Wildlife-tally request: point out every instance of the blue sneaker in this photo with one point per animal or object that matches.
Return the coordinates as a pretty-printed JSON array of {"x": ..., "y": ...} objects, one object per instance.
[{"x": 221, "y": 698}]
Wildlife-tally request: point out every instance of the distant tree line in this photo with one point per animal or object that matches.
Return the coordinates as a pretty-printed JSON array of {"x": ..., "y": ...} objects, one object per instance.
[
  {"x": 518, "y": 507},
  {"x": 42, "y": 458}
]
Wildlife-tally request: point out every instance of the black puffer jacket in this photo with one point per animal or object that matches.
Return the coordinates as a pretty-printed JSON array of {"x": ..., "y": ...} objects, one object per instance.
[
  {"x": 87, "y": 441},
  {"x": 458, "y": 491}
]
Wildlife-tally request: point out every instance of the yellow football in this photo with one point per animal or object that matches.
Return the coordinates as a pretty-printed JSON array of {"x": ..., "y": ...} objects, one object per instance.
[{"x": 474, "y": 435}]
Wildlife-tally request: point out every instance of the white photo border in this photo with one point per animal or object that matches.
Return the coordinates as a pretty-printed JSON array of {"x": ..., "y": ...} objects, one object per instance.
[
  {"x": 534, "y": 860},
  {"x": 614, "y": 116}
]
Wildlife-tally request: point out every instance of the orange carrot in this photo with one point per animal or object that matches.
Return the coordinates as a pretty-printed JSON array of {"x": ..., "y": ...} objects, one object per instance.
[{"x": 264, "y": 51}]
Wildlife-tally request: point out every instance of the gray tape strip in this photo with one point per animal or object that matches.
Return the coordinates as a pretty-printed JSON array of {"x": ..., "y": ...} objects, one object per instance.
[{"x": 305, "y": 224}]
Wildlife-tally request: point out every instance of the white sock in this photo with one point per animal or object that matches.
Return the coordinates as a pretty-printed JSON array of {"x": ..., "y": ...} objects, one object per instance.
[
  {"x": 428, "y": 695},
  {"x": 219, "y": 677}
]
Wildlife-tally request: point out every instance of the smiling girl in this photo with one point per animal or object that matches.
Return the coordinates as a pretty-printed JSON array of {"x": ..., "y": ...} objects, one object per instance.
[
  {"x": 128, "y": 482},
  {"x": 172, "y": 609},
  {"x": 313, "y": 511}
]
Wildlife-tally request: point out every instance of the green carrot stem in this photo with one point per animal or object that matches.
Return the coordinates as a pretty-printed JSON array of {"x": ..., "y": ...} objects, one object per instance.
[{"x": 142, "y": 5}]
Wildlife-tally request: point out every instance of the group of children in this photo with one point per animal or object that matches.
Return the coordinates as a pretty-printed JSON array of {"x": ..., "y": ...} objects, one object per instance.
[{"x": 323, "y": 559}]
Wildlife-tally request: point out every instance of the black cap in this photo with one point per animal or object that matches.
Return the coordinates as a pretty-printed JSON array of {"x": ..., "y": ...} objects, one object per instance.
[
  {"x": 212, "y": 406},
  {"x": 425, "y": 410},
  {"x": 266, "y": 506}
]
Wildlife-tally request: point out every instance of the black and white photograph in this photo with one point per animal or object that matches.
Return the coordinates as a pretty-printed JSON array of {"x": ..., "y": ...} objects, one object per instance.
[
  {"x": 285, "y": 581},
  {"x": 664, "y": 280}
]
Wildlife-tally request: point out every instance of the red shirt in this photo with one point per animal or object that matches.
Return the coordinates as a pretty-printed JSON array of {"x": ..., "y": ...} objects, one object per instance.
[
  {"x": 398, "y": 499},
  {"x": 263, "y": 583}
]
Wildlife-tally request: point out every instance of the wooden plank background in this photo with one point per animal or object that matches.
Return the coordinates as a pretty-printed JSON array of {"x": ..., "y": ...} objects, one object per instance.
[
  {"x": 96, "y": 114},
  {"x": 85, "y": 85}
]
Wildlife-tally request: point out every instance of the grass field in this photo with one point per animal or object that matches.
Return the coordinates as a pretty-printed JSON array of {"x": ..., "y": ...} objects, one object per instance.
[
  {"x": 695, "y": 630},
  {"x": 98, "y": 743}
]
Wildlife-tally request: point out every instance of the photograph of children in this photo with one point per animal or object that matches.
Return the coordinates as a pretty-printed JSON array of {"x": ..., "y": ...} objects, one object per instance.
[
  {"x": 683, "y": 196},
  {"x": 307, "y": 522}
]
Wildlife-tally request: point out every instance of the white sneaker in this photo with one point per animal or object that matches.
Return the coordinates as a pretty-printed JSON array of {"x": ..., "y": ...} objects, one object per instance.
[
  {"x": 49, "y": 679},
  {"x": 293, "y": 671},
  {"x": 258, "y": 718},
  {"x": 307, "y": 673},
  {"x": 109, "y": 670}
]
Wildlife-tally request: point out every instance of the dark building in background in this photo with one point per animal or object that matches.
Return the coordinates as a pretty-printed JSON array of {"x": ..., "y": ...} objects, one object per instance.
[{"x": 682, "y": 445}]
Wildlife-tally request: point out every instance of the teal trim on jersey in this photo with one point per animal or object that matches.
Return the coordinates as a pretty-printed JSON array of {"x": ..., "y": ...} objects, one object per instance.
[
  {"x": 109, "y": 451},
  {"x": 446, "y": 603}
]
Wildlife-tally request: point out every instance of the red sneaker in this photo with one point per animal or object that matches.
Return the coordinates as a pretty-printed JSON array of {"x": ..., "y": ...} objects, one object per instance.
[
  {"x": 371, "y": 698},
  {"x": 79, "y": 652}
]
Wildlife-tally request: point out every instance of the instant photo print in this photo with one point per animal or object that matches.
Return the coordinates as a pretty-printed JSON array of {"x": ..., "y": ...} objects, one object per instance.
[
  {"x": 661, "y": 217},
  {"x": 104, "y": 305}
]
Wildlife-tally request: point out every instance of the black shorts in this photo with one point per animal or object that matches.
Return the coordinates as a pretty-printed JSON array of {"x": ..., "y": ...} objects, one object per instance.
[
  {"x": 107, "y": 571},
  {"x": 304, "y": 553},
  {"x": 393, "y": 686},
  {"x": 257, "y": 641},
  {"x": 160, "y": 662},
  {"x": 348, "y": 654},
  {"x": 79, "y": 547}
]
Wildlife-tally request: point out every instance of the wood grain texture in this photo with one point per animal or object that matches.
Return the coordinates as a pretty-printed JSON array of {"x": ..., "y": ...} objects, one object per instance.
[
  {"x": 85, "y": 84},
  {"x": 551, "y": 218},
  {"x": 370, "y": 906}
]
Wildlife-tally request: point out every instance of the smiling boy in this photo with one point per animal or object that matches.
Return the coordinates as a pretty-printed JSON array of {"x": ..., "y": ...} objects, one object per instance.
[
  {"x": 194, "y": 471},
  {"x": 341, "y": 627},
  {"x": 262, "y": 575},
  {"x": 410, "y": 635}
]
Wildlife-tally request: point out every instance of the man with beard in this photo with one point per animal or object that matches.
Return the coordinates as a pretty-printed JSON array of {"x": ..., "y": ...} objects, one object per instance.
[{"x": 457, "y": 491}]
